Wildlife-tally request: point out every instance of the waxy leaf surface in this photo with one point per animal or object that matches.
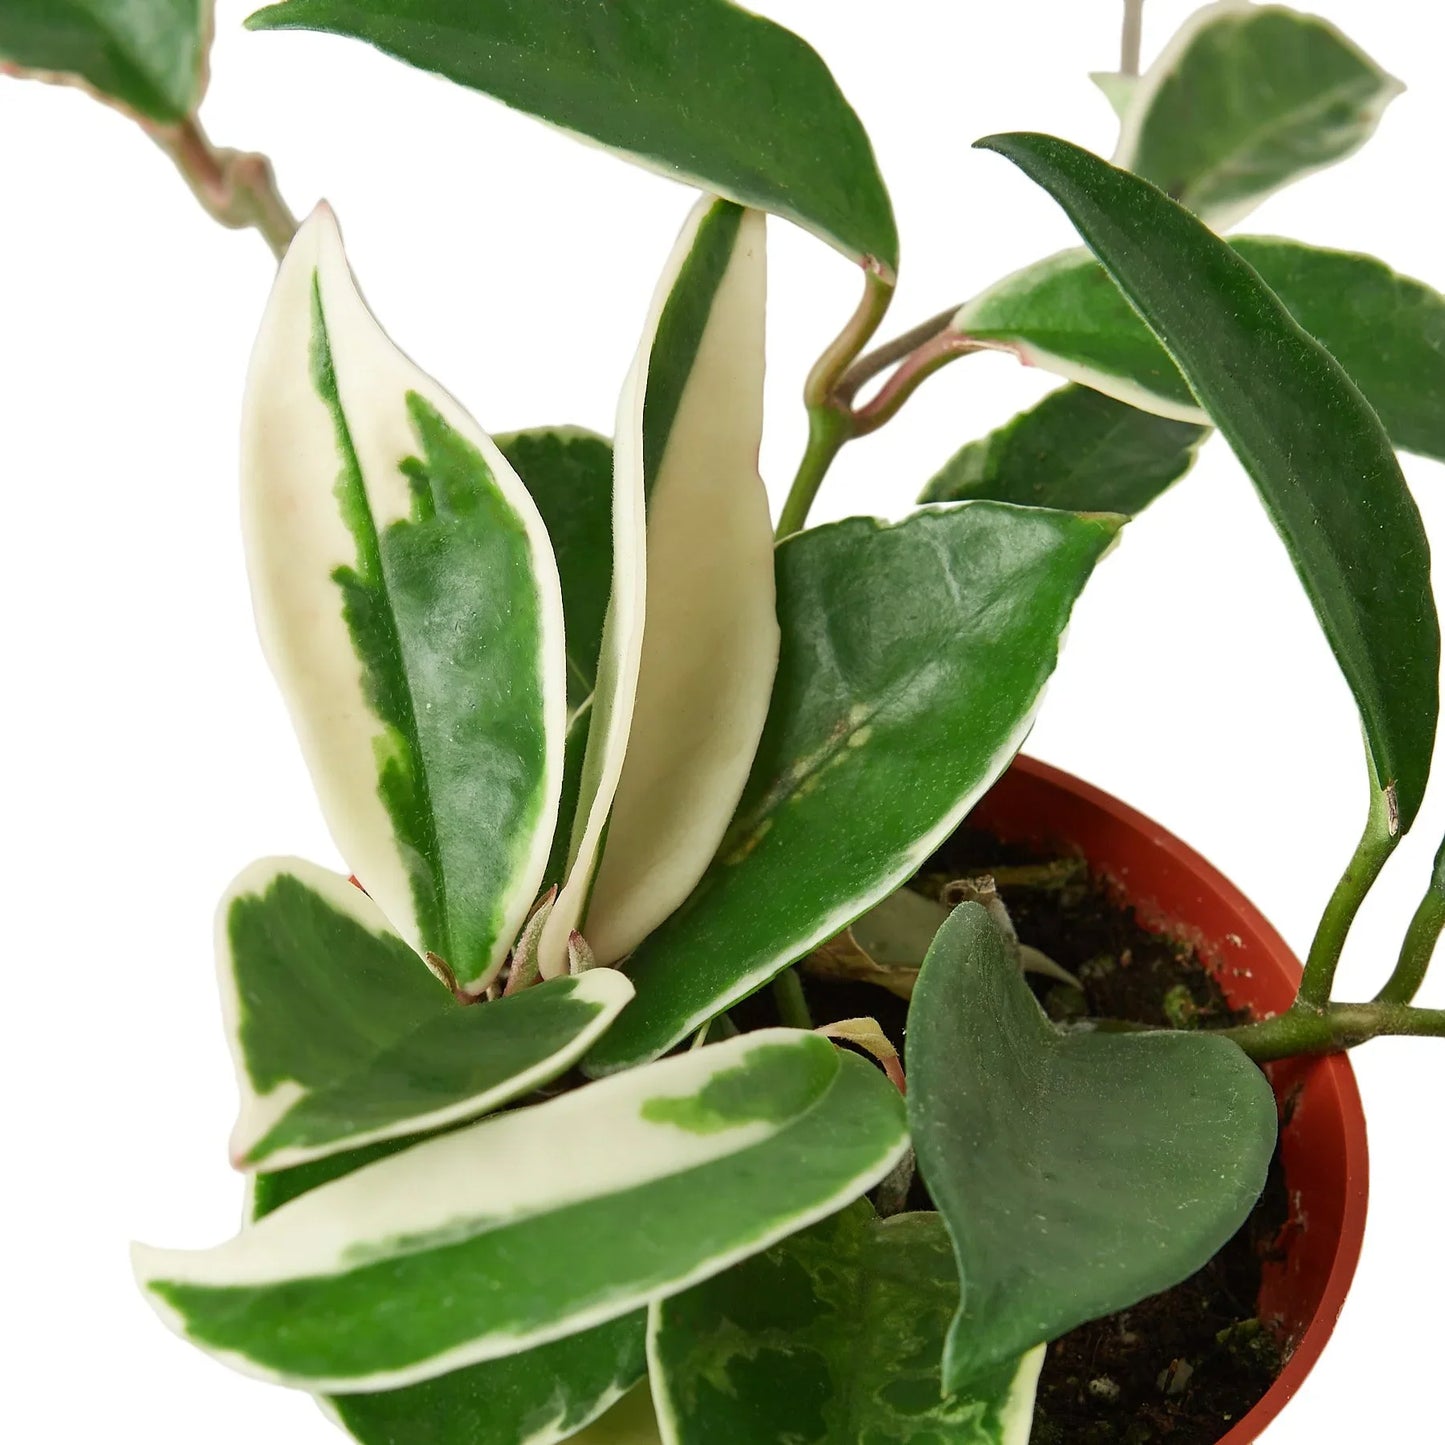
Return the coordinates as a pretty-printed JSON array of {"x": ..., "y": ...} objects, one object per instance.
[
  {"x": 913, "y": 658},
  {"x": 836, "y": 1334},
  {"x": 1245, "y": 99},
  {"x": 1065, "y": 315},
  {"x": 342, "y": 1037},
  {"x": 538, "y": 1397},
  {"x": 409, "y": 604},
  {"x": 1317, "y": 454},
  {"x": 691, "y": 641},
  {"x": 1077, "y": 1172},
  {"x": 1077, "y": 450},
  {"x": 148, "y": 56},
  {"x": 707, "y": 92},
  {"x": 489, "y": 1240},
  {"x": 568, "y": 473}
]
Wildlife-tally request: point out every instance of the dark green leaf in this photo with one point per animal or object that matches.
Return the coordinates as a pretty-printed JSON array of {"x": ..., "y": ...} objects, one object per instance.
[
  {"x": 721, "y": 98},
  {"x": 834, "y": 1335},
  {"x": 1077, "y": 450},
  {"x": 912, "y": 659},
  {"x": 148, "y": 56},
  {"x": 1317, "y": 454},
  {"x": 537, "y": 1397},
  {"x": 568, "y": 471},
  {"x": 1246, "y": 99},
  {"x": 1065, "y": 315},
  {"x": 1077, "y": 1172}
]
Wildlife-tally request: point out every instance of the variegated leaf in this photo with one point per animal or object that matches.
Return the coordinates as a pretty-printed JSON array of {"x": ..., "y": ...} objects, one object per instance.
[
  {"x": 834, "y": 1335},
  {"x": 691, "y": 641},
  {"x": 539, "y": 1397},
  {"x": 913, "y": 658},
  {"x": 1245, "y": 99},
  {"x": 409, "y": 604},
  {"x": 484, "y": 1242},
  {"x": 343, "y": 1038},
  {"x": 1065, "y": 315}
]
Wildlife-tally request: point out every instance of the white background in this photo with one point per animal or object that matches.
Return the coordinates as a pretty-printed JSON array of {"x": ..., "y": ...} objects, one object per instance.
[{"x": 148, "y": 757}]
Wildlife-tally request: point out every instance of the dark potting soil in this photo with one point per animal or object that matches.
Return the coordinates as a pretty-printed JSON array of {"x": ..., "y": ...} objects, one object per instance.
[{"x": 1182, "y": 1367}]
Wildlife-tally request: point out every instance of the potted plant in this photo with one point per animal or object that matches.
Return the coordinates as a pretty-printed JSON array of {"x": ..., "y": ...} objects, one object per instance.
[{"x": 554, "y": 1121}]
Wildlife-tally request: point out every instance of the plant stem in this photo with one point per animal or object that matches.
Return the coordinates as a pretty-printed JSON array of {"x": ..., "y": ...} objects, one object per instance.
[
  {"x": 932, "y": 356},
  {"x": 1375, "y": 846},
  {"x": 237, "y": 188},
  {"x": 1420, "y": 940},
  {"x": 890, "y": 353},
  {"x": 1333, "y": 1028},
  {"x": 830, "y": 418},
  {"x": 1132, "y": 39},
  {"x": 829, "y": 429},
  {"x": 878, "y": 288},
  {"x": 791, "y": 1001}
]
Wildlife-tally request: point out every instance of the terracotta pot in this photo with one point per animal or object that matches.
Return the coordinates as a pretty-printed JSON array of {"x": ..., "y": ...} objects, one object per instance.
[{"x": 1322, "y": 1124}]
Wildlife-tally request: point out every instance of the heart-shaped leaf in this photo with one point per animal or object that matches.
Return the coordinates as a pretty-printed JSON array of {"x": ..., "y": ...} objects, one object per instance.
[
  {"x": 568, "y": 472},
  {"x": 1317, "y": 454},
  {"x": 836, "y": 1334},
  {"x": 409, "y": 604},
  {"x": 487, "y": 1241},
  {"x": 342, "y": 1037},
  {"x": 1077, "y": 450},
  {"x": 693, "y": 599},
  {"x": 718, "y": 97},
  {"x": 913, "y": 658},
  {"x": 1388, "y": 332},
  {"x": 148, "y": 56},
  {"x": 1245, "y": 99},
  {"x": 1077, "y": 1172},
  {"x": 538, "y": 1397}
]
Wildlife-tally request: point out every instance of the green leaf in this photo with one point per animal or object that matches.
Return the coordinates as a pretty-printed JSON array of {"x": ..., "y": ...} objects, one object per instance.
[
  {"x": 537, "y": 1397},
  {"x": 718, "y": 97},
  {"x": 147, "y": 56},
  {"x": 1388, "y": 332},
  {"x": 834, "y": 1335},
  {"x": 1246, "y": 99},
  {"x": 409, "y": 604},
  {"x": 542, "y": 1222},
  {"x": 668, "y": 749},
  {"x": 568, "y": 472},
  {"x": 1077, "y": 450},
  {"x": 1077, "y": 1172},
  {"x": 1317, "y": 454},
  {"x": 342, "y": 1037},
  {"x": 913, "y": 658}
]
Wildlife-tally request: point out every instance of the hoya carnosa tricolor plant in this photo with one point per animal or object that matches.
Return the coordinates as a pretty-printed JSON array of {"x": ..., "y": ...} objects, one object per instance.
[{"x": 583, "y": 736}]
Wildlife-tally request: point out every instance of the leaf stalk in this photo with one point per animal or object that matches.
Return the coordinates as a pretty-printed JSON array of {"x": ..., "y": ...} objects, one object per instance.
[{"x": 236, "y": 188}]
